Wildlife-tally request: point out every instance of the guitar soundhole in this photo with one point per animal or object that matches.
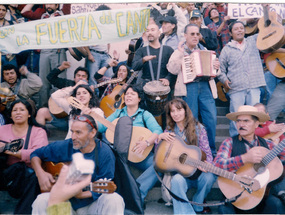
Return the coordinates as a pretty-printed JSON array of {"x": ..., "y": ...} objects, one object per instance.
[
  {"x": 182, "y": 158},
  {"x": 259, "y": 167}
]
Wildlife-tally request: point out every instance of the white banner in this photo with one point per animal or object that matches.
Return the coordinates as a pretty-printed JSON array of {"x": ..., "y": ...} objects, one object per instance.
[
  {"x": 75, "y": 30},
  {"x": 239, "y": 11}
]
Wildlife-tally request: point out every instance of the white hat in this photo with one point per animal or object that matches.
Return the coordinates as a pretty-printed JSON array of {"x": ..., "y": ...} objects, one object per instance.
[{"x": 248, "y": 110}]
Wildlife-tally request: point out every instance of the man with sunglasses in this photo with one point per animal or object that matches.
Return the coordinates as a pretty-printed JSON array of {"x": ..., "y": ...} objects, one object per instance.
[
  {"x": 199, "y": 94},
  {"x": 83, "y": 140}
]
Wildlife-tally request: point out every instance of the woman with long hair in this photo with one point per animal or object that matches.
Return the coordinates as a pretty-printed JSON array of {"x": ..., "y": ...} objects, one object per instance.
[
  {"x": 84, "y": 94},
  {"x": 22, "y": 121},
  {"x": 181, "y": 122},
  {"x": 122, "y": 71}
]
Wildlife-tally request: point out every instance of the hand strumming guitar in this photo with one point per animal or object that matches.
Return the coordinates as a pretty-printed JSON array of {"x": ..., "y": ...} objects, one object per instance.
[{"x": 254, "y": 155}]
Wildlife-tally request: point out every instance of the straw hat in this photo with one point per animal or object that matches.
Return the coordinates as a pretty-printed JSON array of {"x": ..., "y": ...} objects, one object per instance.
[{"x": 248, "y": 110}]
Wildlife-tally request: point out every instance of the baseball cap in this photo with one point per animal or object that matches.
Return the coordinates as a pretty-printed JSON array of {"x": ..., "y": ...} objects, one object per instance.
[
  {"x": 195, "y": 13},
  {"x": 170, "y": 19}
]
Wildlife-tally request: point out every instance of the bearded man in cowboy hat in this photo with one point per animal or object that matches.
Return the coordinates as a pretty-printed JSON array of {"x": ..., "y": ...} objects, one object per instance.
[{"x": 242, "y": 149}]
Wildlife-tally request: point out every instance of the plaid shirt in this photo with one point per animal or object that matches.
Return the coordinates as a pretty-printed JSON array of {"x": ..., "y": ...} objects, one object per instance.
[
  {"x": 225, "y": 161},
  {"x": 224, "y": 37},
  {"x": 109, "y": 88}
]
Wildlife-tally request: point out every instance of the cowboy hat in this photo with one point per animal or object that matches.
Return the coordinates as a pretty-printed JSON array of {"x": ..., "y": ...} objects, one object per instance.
[{"x": 248, "y": 110}]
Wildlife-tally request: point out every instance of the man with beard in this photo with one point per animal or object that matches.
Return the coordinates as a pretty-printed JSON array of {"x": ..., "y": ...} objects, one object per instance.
[
  {"x": 152, "y": 56},
  {"x": 49, "y": 58},
  {"x": 245, "y": 148},
  {"x": 84, "y": 129}
]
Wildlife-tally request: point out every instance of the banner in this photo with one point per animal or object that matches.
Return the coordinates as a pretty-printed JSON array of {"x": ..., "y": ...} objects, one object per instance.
[
  {"x": 75, "y": 30},
  {"x": 240, "y": 11}
]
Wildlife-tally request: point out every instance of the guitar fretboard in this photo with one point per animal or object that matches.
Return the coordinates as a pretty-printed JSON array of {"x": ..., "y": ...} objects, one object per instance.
[{"x": 273, "y": 153}]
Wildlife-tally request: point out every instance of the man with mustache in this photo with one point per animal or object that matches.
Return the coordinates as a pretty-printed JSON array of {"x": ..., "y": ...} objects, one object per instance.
[
  {"x": 84, "y": 129},
  {"x": 241, "y": 149},
  {"x": 144, "y": 61}
]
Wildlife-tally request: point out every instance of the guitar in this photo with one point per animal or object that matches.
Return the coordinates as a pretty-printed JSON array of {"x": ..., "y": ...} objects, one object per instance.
[
  {"x": 185, "y": 159},
  {"x": 100, "y": 186},
  {"x": 6, "y": 95},
  {"x": 110, "y": 103},
  {"x": 274, "y": 137},
  {"x": 271, "y": 32},
  {"x": 250, "y": 26},
  {"x": 133, "y": 47},
  {"x": 222, "y": 90},
  {"x": 275, "y": 63},
  {"x": 13, "y": 146},
  {"x": 269, "y": 169},
  {"x": 58, "y": 112},
  {"x": 138, "y": 133}
]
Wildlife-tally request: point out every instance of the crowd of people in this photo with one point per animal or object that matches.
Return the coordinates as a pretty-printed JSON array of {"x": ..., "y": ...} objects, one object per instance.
[{"x": 108, "y": 90}]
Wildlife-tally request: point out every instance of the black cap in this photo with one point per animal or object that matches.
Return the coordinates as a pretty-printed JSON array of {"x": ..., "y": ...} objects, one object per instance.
[{"x": 170, "y": 19}]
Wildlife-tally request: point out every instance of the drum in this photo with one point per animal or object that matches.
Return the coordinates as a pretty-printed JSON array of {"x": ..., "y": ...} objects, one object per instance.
[{"x": 156, "y": 96}]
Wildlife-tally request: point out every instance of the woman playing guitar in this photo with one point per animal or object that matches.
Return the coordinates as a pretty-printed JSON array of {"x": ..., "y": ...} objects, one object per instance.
[
  {"x": 141, "y": 118},
  {"x": 180, "y": 122}
]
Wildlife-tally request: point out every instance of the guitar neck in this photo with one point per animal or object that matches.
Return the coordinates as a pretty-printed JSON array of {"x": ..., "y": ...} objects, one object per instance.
[
  {"x": 128, "y": 82},
  {"x": 277, "y": 135},
  {"x": 273, "y": 153},
  {"x": 107, "y": 82},
  {"x": 211, "y": 168},
  {"x": 104, "y": 121},
  {"x": 267, "y": 21}
]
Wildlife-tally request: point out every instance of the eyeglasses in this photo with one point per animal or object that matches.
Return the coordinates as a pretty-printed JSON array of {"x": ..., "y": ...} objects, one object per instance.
[
  {"x": 193, "y": 34},
  {"x": 84, "y": 119}
]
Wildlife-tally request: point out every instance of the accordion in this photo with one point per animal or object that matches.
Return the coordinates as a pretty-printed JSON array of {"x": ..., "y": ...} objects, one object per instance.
[{"x": 198, "y": 65}]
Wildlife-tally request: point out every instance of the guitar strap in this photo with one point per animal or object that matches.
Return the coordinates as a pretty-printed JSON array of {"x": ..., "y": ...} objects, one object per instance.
[
  {"x": 158, "y": 65},
  {"x": 233, "y": 199},
  {"x": 28, "y": 137}
]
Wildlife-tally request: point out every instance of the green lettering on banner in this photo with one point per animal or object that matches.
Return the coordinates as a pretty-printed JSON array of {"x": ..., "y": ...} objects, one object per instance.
[
  {"x": 83, "y": 18},
  {"x": 73, "y": 29},
  {"x": 52, "y": 32},
  {"x": 62, "y": 31},
  {"x": 39, "y": 33},
  {"x": 119, "y": 30},
  {"x": 92, "y": 26}
]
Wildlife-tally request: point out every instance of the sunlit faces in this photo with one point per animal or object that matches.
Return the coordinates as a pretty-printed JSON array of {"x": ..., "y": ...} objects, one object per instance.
[
  {"x": 192, "y": 36},
  {"x": 152, "y": 32},
  {"x": 80, "y": 75},
  {"x": 246, "y": 125},
  {"x": 81, "y": 135},
  {"x": 132, "y": 98},
  {"x": 167, "y": 28},
  {"x": 10, "y": 76},
  {"x": 196, "y": 21},
  {"x": 122, "y": 72},
  {"x": 20, "y": 114},
  {"x": 3, "y": 12},
  {"x": 83, "y": 95},
  {"x": 178, "y": 115},
  {"x": 238, "y": 32},
  {"x": 51, "y": 8}
]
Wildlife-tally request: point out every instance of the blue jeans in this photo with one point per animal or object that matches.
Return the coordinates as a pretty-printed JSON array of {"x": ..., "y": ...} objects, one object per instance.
[
  {"x": 239, "y": 98},
  {"x": 148, "y": 178},
  {"x": 180, "y": 185},
  {"x": 101, "y": 60},
  {"x": 49, "y": 59},
  {"x": 199, "y": 98},
  {"x": 276, "y": 102},
  {"x": 271, "y": 83}
]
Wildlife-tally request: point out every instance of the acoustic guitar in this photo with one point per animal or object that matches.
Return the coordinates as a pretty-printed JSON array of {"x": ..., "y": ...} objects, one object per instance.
[
  {"x": 250, "y": 25},
  {"x": 58, "y": 112},
  {"x": 178, "y": 157},
  {"x": 6, "y": 95},
  {"x": 271, "y": 32},
  {"x": 138, "y": 133},
  {"x": 110, "y": 103},
  {"x": 222, "y": 90},
  {"x": 133, "y": 47},
  {"x": 269, "y": 169},
  {"x": 274, "y": 137},
  {"x": 275, "y": 63},
  {"x": 100, "y": 186}
]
